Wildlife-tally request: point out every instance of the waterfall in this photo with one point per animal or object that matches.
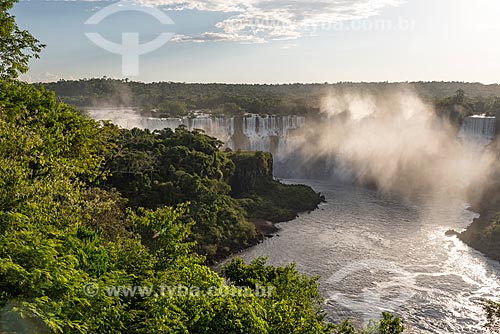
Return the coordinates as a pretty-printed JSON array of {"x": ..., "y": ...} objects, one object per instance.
[
  {"x": 478, "y": 129},
  {"x": 251, "y": 132},
  {"x": 270, "y": 133}
]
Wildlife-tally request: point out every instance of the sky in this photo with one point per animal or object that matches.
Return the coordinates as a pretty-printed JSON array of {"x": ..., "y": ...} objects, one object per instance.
[{"x": 265, "y": 41}]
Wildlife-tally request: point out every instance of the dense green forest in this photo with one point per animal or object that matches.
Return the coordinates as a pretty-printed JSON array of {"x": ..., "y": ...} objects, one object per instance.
[
  {"x": 68, "y": 237},
  {"x": 88, "y": 211},
  {"x": 171, "y": 167},
  {"x": 62, "y": 231},
  {"x": 173, "y": 99}
]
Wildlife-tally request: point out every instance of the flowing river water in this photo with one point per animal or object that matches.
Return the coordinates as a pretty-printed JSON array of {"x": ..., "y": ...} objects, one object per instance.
[{"x": 374, "y": 253}]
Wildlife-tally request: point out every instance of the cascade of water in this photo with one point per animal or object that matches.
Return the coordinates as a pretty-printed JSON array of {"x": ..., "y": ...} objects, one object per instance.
[
  {"x": 478, "y": 129},
  {"x": 260, "y": 133},
  {"x": 269, "y": 133}
]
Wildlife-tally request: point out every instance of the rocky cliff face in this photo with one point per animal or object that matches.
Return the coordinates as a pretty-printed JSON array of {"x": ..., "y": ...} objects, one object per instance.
[
  {"x": 484, "y": 234},
  {"x": 250, "y": 168},
  {"x": 262, "y": 197}
]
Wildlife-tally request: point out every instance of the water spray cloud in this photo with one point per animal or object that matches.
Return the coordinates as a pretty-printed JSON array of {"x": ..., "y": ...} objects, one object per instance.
[{"x": 396, "y": 142}]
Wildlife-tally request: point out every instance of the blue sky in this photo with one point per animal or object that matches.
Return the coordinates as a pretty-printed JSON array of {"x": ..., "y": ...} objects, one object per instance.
[{"x": 274, "y": 41}]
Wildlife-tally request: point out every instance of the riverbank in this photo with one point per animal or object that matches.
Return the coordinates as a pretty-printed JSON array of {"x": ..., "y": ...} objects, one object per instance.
[
  {"x": 484, "y": 234},
  {"x": 270, "y": 202},
  {"x": 262, "y": 196},
  {"x": 264, "y": 228}
]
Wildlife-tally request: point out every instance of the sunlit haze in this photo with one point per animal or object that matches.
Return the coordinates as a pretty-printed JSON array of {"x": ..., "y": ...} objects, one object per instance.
[{"x": 277, "y": 41}]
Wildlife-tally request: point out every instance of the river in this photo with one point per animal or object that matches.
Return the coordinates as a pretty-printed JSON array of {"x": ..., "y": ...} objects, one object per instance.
[{"x": 375, "y": 253}]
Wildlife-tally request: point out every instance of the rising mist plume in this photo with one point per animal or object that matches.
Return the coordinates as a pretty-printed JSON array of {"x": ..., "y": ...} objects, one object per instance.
[{"x": 395, "y": 142}]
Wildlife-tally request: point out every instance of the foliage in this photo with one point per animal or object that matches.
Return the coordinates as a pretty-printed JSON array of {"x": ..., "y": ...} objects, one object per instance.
[
  {"x": 291, "y": 291},
  {"x": 279, "y": 202},
  {"x": 250, "y": 168},
  {"x": 493, "y": 315},
  {"x": 46, "y": 252},
  {"x": 58, "y": 234},
  {"x": 17, "y": 46},
  {"x": 345, "y": 327},
  {"x": 172, "y": 167},
  {"x": 492, "y": 231},
  {"x": 153, "y": 169},
  {"x": 390, "y": 324},
  {"x": 299, "y": 294},
  {"x": 168, "y": 108},
  {"x": 218, "y": 98},
  {"x": 287, "y": 99},
  {"x": 262, "y": 196},
  {"x": 484, "y": 233},
  {"x": 230, "y": 109}
]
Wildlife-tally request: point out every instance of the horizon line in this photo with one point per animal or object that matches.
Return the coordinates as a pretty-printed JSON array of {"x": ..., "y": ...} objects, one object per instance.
[{"x": 265, "y": 83}]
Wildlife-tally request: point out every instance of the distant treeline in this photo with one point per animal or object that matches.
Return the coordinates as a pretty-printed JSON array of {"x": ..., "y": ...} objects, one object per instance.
[{"x": 174, "y": 99}]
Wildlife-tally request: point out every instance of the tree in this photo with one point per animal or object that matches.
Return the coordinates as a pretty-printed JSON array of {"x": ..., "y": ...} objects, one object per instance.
[
  {"x": 460, "y": 95},
  {"x": 493, "y": 315},
  {"x": 172, "y": 108},
  {"x": 17, "y": 46}
]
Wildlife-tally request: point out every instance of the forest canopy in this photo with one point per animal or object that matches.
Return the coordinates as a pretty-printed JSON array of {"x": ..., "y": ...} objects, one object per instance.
[{"x": 177, "y": 99}]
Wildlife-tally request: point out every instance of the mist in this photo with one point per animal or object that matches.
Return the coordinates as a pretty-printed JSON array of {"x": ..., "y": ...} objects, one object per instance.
[
  {"x": 395, "y": 142},
  {"x": 392, "y": 140}
]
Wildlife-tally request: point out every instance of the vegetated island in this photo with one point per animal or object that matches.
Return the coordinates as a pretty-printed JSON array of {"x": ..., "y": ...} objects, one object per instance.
[{"x": 226, "y": 191}]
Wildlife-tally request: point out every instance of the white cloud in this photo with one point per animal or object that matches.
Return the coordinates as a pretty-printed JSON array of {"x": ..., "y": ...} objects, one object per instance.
[
  {"x": 42, "y": 77},
  {"x": 215, "y": 36},
  {"x": 258, "y": 21}
]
